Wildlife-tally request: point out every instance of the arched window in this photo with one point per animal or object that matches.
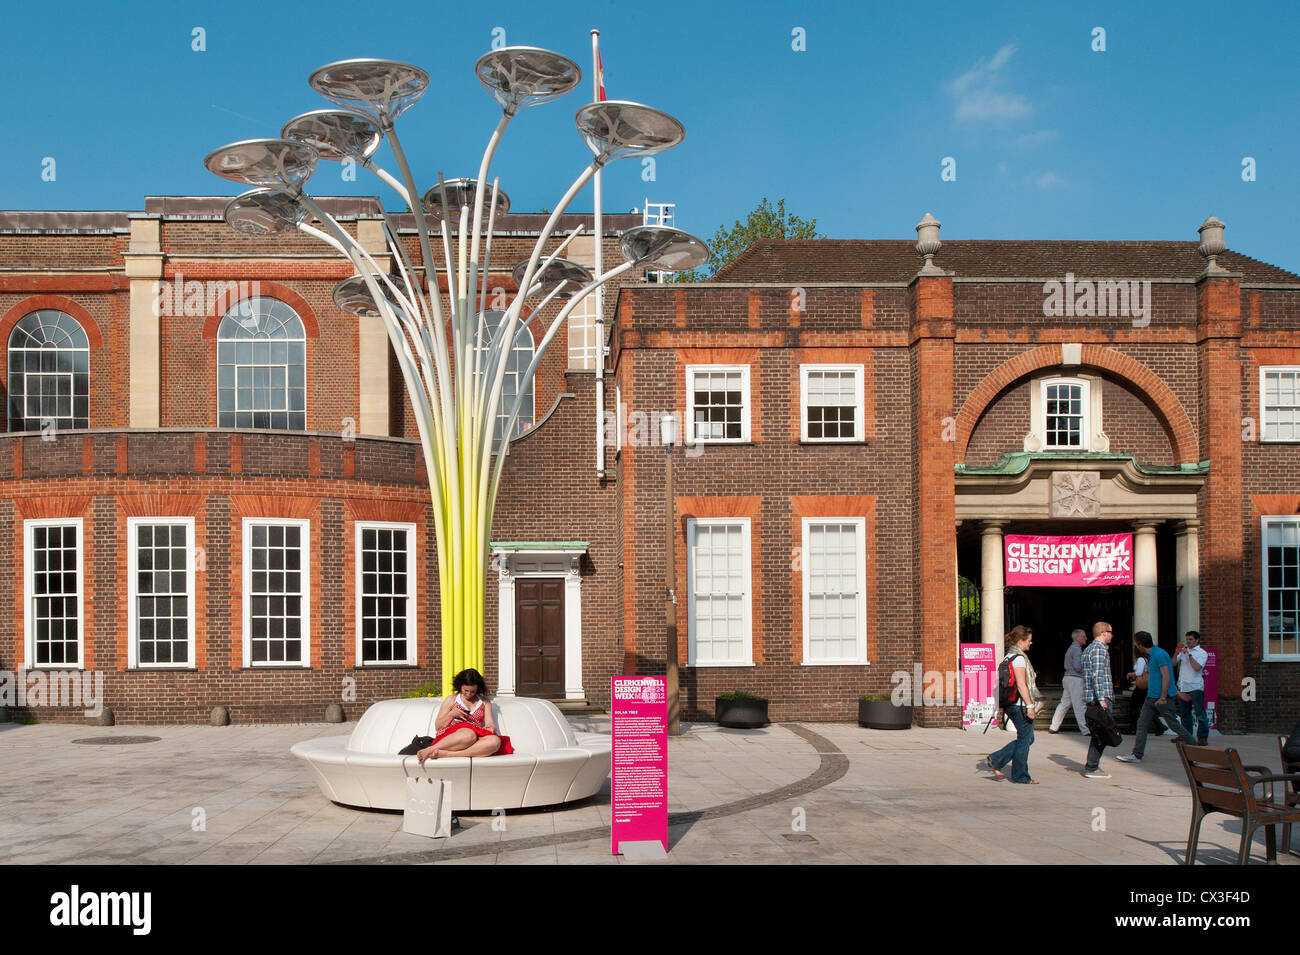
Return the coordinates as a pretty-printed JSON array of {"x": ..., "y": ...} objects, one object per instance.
[
  {"x": 521, "y": 356},
  {"x": 49, "y": 380},
  {"x": 261, "y": 366}
]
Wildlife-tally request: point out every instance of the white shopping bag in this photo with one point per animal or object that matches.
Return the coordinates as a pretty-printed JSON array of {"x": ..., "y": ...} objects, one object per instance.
[{"x": 428, "y": 806}]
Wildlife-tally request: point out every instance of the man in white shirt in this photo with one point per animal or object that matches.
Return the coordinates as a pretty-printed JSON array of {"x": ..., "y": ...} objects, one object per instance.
[
  {"x": 1190, "y": 660},
  {"x": 1072, "y": 685}
]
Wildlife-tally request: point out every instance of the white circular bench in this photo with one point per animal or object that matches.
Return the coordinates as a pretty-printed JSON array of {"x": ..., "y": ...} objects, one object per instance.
[{"x": 551, "y": 763}]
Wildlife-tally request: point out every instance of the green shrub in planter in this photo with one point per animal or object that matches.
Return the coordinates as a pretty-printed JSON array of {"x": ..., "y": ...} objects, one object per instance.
[
  {"x": 740, "y": 710},
  {"x": 432, "y": 688}
]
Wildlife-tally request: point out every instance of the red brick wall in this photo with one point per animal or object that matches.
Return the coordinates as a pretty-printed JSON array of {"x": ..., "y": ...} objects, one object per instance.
[
  {"x": 1127, "y": 421},
  {"x": 218, "y": 500},
  {"x": 775, "y": 481}
]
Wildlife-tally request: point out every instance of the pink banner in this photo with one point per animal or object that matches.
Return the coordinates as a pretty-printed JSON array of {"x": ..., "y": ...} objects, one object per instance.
[
  {"x": 639, "y": 761},
  {"x": 1098, "y": 560},
  {"x": 1211, "y": 689},
  {"x": 979, "y": 684}
]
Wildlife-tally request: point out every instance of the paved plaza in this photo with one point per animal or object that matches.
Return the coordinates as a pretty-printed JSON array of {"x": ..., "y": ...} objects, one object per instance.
[{"x": 791, "y": 793}]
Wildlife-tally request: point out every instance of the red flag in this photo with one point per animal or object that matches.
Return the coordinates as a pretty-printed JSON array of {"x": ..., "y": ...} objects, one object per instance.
[{"x": 600, "y": 75}]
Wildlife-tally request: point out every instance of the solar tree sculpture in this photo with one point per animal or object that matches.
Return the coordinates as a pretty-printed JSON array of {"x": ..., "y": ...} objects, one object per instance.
[{"x": 455, "y": 384}]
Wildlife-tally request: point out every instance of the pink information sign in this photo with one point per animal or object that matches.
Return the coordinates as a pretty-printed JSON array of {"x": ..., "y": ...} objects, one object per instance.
[
  {"x": 639, "y": 762},
  {"x": 979, "y": 684},
  {"x": 1097, "y": 560},
  {"x": 1211, "y": 689}
]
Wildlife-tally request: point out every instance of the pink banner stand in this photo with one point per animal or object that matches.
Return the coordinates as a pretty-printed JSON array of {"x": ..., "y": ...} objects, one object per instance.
[
  {"x": 1212, "y": 688},
  {"x": 979, "y": 685},
  {"x": 639, "y": 767}
]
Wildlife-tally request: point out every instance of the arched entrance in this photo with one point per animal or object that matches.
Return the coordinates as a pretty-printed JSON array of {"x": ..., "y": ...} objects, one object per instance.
[{"x": 1081, "y": 494}]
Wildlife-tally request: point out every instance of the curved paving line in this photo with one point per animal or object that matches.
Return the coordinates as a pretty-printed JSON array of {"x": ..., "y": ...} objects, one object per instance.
[{"x": 832, "y": 766}]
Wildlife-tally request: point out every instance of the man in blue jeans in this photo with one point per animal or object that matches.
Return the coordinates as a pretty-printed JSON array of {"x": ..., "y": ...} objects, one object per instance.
[
  {"x": 1098, "y": 695},
  {"x": 1160, "y": 687},
  {"x": 1190, "y": 658}
]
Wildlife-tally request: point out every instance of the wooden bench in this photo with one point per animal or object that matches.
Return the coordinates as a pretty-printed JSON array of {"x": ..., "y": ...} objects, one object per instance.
[{"x": 1220, "y": 783}]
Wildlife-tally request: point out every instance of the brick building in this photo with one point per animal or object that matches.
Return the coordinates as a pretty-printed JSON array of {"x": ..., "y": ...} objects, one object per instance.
[
  {"x": 863, "y": 429},
  {"x": 184, "y": 398}
]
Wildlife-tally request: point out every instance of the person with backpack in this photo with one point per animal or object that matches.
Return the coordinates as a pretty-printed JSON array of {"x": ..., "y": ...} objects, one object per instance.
[{"x": 1017, "y": 694}]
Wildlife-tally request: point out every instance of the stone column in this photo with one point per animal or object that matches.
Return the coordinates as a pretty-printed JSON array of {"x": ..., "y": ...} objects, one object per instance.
[
  {"x": 992, "y": 586},
  {"x": 1146, "y": 604},
  {"x": 1187, "y": 572},
  {"x": 144, "y": 270},
  {"x": 505, "y": 625},
  {"x": 373, "y": 345},
  {"x": 573, "y": 631}
]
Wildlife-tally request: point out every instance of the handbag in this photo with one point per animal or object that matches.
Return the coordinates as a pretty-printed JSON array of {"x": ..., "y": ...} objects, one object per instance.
[
  {"x": 1101, "y": 724},
  {"x": 1142, "y": 680},
  {"x": 428, "y": 806},
  {"x": 416, "y": 744}
]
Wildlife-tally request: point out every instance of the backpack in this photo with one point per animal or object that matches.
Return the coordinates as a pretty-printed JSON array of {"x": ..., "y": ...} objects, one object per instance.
[{"x": 1008, "y": 691}]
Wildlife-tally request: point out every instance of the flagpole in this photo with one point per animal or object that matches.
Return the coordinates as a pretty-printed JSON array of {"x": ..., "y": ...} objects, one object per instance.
[{"x": 597, "y": 94}]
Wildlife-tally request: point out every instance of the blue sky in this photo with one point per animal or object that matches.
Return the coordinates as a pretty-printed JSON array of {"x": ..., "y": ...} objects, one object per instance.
[{"x": 1051, "y": 139}]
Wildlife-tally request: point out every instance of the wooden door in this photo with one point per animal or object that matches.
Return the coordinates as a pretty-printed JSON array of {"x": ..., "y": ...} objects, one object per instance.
[{"x": 539, "y": 637}]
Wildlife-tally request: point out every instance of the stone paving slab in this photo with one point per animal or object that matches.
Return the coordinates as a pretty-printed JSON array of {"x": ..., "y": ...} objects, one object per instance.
[{"x": 832, "y": 794}]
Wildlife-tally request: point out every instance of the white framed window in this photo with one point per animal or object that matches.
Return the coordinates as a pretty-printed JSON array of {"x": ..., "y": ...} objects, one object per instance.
[
  {"x": 1279, "y": 403},
  {"x": 718, "y": 399},
  {"x": 830, "y": 402},
  {"x": 1065, "y": 414},
  {"x": 720, "y": 587},
  {"x": 1281, "y": 591},
  {"x": 49, "y": 365},
  {"x": 261, "y": 366},
  {"x": 53, "y": 593},
  {"x": 583, "y": 334},
  {"x": 276, "y": 592},
  {"x": 160, "y": 592},
  {"x": 385, "y": 598},
  {"x": 514, "y": 388},
  {"x": 834, "y": 590}
]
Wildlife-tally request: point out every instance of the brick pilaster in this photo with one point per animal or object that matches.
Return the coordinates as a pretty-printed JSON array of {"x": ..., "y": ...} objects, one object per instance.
[
  {"x": 1218, "y": 335},
  {"x": 932, "y": 336}
]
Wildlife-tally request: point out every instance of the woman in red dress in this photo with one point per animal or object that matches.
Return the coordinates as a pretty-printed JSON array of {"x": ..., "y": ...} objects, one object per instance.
[{"x": 464, "y": 723}]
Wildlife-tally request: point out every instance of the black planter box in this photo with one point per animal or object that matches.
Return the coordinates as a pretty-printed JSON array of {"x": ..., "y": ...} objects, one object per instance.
[
  {"x": 884, "y": 715},
  {"x": 741, "y": 714}
]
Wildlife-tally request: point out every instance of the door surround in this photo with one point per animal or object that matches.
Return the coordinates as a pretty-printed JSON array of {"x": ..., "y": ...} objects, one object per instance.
[{"x": 513, "y": 559}]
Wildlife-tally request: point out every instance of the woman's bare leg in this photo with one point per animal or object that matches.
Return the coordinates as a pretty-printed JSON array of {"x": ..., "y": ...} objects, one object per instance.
[
  {"x": 451, "y": 745},
  {"x": 485, "y": 746},
  {"x": 456, "y": 743}
]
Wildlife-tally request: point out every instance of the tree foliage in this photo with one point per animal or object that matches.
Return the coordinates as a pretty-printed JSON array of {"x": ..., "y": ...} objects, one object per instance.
[{"x": 764, "y": 222}]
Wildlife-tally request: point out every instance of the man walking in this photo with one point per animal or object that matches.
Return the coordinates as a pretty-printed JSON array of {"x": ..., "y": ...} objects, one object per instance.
[
  {"x": 1191, "y": 657},
  {"x": 1098, "y": 695},
  {"x": 1160, "y": 672},
  {"x": 1072, "y": 685},
  {"x": 1139, "y": 679}
]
